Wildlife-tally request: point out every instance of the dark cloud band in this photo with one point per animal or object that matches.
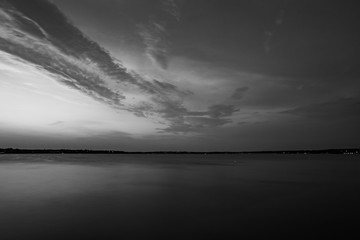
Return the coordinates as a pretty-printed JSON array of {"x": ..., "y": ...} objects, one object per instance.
[{"x": 38, "y": 32}]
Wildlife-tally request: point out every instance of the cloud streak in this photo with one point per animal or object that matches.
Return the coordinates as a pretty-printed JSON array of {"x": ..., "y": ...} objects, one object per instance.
[
  {"x": 154, "y": 33},
  {"x": 239, "y": 93},
  {"x": 193, "y": 121},
  {"x": 62, "y": 50},
  {"x": 39, "y": 33},
  {"x": 172, "y": 7},
  {"x": 334, "y": 109}
]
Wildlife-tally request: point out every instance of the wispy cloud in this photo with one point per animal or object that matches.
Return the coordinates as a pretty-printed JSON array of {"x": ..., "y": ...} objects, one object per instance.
[
  {"x": 154, "y": 33},
  {"x": 192, "y": 121},
  {"x": 62, "y": 51},
  {"x": 334, "y": 109},
  {"x": 239, "y": 92},
  {"x": 172, "y": 7},
  {"x": 48, "y": 40},
  {"x": 268, "y": 35}
]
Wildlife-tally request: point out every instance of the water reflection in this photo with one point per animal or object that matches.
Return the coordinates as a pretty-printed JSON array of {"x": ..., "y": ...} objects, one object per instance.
[{"x": 135, "y": 197}]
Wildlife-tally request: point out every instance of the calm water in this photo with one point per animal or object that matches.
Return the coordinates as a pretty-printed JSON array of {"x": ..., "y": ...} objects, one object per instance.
[{"x": 178, "y": 196}]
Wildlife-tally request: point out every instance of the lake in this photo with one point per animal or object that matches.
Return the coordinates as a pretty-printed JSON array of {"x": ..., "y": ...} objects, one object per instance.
[{"x": 172, "y": 196}]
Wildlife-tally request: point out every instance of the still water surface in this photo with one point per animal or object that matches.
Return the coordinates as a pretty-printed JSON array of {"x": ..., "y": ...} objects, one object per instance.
[{"x": 178, "y": 196}]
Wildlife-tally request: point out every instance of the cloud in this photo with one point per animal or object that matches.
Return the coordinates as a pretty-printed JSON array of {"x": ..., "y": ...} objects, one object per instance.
[
  {"x": 221, "y": 110},
  {"x": 41, "y": 35},
  {"x": 48, "y": 40},
  {"x": 195, "y": 121},
  {"x": 268, "y": 35},
  {"x": 57, "y": 47},
  {"x": 201, "y": 122},
  {"x": 154, "y": 33},
  {"x": 239, "y": 92},
  {"x": 172, "y": 7},
  {"x": 335, "y": 109}
]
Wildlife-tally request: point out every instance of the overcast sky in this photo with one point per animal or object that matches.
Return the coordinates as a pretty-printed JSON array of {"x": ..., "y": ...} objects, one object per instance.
[{"x": 203, "y": 75}]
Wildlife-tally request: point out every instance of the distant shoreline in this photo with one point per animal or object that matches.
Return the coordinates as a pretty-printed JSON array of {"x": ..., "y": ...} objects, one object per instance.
[{"x": 87, "y": 151}]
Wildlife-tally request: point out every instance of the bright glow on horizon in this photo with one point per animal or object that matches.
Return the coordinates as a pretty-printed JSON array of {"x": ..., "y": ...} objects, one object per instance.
[
  {"x": 32, "y": 100},
  {"x": 154, "y": 76}
]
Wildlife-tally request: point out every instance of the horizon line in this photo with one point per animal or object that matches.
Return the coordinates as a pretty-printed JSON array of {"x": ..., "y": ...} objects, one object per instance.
[{"x": 109, "y": 151}]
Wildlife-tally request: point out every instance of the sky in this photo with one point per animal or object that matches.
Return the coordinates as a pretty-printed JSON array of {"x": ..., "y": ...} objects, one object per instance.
[{"x": 195, "y": 75}]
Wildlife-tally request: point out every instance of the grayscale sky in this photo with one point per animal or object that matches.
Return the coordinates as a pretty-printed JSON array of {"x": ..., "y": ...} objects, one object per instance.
[{"x": 202, "y": 75}]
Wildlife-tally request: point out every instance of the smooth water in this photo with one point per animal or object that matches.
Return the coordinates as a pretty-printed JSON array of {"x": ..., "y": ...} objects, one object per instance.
[{"x": 178, "y": 196}]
